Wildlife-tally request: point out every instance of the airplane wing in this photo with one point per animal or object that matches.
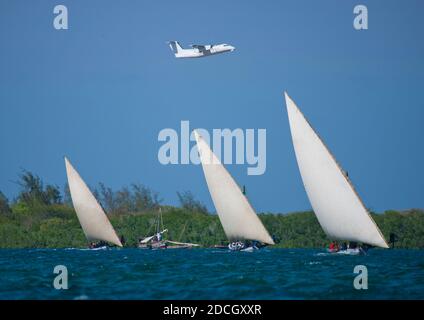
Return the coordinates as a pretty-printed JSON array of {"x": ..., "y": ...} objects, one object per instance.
[{"x": 199, "y": 47}]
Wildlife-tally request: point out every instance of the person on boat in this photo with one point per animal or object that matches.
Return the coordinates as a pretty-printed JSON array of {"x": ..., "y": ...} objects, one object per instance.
[
  {"x": 352, "y": 245},
  {"x": 159, "y": 236},
  {"x": 343, "y": 246},
  {"x": 122, "y": 238},
  {"x": 236, "y": 245},
  {"x": 95, "y": 245},
  {"x": 334, "y": 246}
]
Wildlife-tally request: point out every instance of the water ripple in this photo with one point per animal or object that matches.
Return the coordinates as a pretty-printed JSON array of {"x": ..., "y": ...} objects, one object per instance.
[{"x": 209, "y": 274}]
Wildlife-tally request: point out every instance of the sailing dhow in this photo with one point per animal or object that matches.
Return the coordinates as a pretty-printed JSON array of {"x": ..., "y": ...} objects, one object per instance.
[
  {"x": 338, "y": 207},
  {"x": 93, "y": 220},
  {"x": 239, "y": 220},
  {"x": 156, "y": 241}
]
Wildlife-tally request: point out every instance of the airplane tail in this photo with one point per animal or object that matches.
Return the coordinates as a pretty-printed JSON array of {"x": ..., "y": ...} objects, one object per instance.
[{"x": 175, "y": 46}]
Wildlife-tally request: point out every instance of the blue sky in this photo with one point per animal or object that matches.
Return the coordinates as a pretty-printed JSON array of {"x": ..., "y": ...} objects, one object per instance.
[{"x": 101, "y": 91}]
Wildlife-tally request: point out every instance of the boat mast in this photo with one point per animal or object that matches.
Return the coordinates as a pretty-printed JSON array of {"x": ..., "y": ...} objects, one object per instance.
[{"x": 158, "y": 222}]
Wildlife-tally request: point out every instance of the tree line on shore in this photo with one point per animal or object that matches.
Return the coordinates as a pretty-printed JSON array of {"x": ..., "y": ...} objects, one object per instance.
[{"x": 42, "y": 216}]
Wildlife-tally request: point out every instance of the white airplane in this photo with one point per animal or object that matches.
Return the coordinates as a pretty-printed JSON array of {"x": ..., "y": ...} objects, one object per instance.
[{"x": 198, "y": 51}]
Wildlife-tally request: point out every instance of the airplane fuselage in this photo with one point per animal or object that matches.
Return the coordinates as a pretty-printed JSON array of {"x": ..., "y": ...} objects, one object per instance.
[{"x": 203, "y": 51}]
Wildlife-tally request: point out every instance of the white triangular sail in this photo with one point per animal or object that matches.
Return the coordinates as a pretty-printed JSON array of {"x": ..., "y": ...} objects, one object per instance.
[
  {"x": 237, "y": 217},
  {"x": 147, "y": 239},
  {"x": 339, "y": 209},
  {"x": 93, "y": 220}
]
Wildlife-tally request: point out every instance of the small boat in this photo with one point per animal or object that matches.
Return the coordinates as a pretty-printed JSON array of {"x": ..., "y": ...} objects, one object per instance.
[
  {"x": 156, "y": 241},
  {"x": 96, "y": 247},
  {"x": 242, "y": 226},
  {"x": 94, "y": 222},
  {"x": 351, "y": 251},
  {"x": 338, "y": 207}
]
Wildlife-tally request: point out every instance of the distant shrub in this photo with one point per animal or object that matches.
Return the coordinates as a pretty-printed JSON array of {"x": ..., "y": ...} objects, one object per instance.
[
  {"x": 4, "y": 204},
  {"x": 188, "y": 202},
  {"x": 38, "y": 218}
]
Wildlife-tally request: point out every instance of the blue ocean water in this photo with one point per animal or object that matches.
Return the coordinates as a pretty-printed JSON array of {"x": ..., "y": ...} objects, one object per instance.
[{"x": 209, "y": 274}]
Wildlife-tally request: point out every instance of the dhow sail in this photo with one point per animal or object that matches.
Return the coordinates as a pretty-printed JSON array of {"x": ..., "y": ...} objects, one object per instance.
[
  {"x": 339, "y": 209},
  {"x": 237, "y": 217},
  {"x": 93, "y": 220}
]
